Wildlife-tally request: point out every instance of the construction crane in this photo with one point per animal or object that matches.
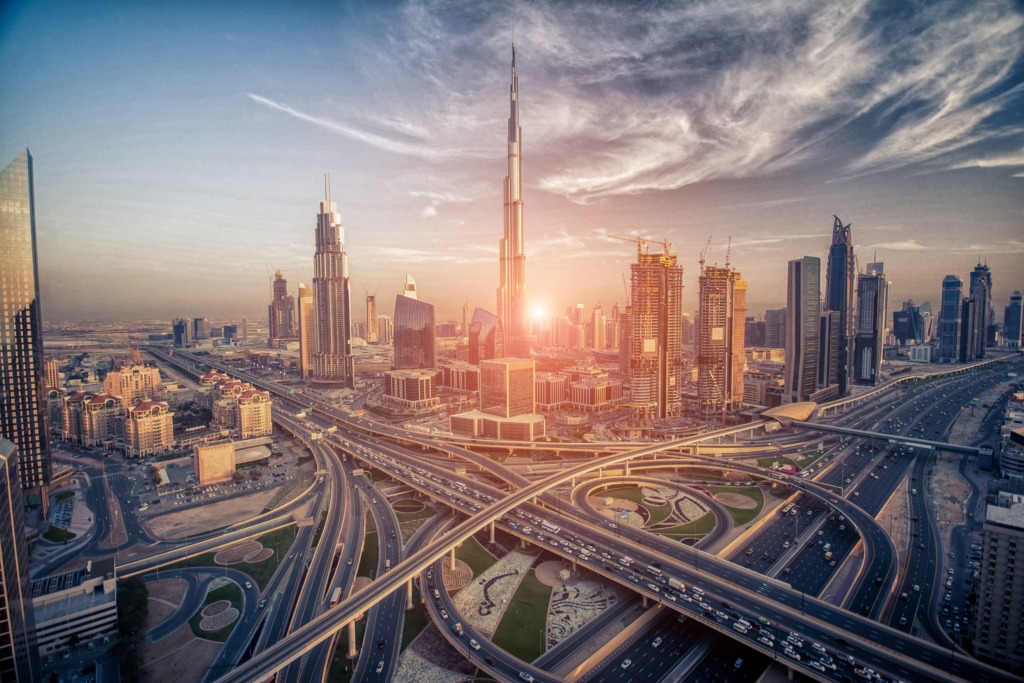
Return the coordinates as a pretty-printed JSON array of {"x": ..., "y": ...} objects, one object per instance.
[
  {"x": 642, "y": 242},
  {"x": 728, "y": 251},
  {"x": 704, "y": 253}
]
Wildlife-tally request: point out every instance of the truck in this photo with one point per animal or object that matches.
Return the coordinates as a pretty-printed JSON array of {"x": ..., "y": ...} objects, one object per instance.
[
  {"x": 332, "y": 429},
  {"x": 677, "y": 584},
  {"x": 300, "y": 415},
  {"x": 335, "y": 597}
]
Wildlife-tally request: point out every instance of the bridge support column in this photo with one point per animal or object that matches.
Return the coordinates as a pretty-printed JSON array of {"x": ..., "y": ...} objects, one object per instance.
[
  {"x": 625, "y": 469},
  {"x": 408, "y": 595},
  {"x": 572, "y": 483},
  {"x": 522, "y": 544},
  {"x": 492, "y": 532},
  {"x": 790, "y": 674},
  {"x": 645, "y": 602},
  {"x": 453, "y": 560},
  {"x": 352, "y": 639}
]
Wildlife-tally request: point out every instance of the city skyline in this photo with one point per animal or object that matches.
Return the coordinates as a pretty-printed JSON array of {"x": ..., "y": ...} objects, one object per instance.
[{"x": 208, "y": 134}]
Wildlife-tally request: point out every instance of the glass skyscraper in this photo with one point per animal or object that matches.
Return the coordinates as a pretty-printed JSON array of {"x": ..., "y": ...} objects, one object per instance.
[
  {"x": 486, "y": 338},
  {"x": 22, "y": 399},
  {"x": 803, "y": 328},
  {"x": 17, "y": 649},
  {"x": 415, "y": 336},
  {"x": 839, "y": 292},
  {"x": 949, "y": 319}
]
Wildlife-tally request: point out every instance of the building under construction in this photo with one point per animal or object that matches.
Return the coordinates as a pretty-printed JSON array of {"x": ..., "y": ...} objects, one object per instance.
[{"x": 722, "y": 311}]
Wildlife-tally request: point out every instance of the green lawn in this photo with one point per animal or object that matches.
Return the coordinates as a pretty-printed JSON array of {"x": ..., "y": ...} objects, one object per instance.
[
  {"x": 771, "y": 460},
  {"x": 370, "y": 557},
  {"x": 231, "y": 592},
  {"x": 280, "y": 540},
  {"x": 425, "y": 513},
  {"x": 64, "y": 495},
  {"x": 741, "y": 516},
  {"x": 658, "y": 513},
  {"x": 58, "y": 535},
  {"x": 340, "y": 668},
  {"x": 698, "y": 527},
  {"x": 521, "y": 631},
  {"x": 416, "y": 619},
  {"x": 473, "y": 554}
]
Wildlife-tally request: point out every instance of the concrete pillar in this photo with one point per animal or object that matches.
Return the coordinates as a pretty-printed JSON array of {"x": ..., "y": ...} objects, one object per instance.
[
  {"x": 453, "y": 559},
  {"x": 408, "y": 595},
  {"x": 645, "y": 602},
  {"x": 572, "y": 483},
  {"x": 625, "y": 468},
  {"x": 492, "y": 532},
  {"x": 522, "y": 544},
  {"x": 352, "y": 639},
  {"x": 790, "y": 674}
]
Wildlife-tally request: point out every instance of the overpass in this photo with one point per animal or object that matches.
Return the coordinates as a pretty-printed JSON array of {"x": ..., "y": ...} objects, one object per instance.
[{"x": 895, "y": 438}]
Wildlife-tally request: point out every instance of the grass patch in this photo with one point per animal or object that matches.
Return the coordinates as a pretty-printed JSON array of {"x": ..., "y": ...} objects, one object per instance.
[
  {"x": 58, "y": 535},
  {"x": 280, "y": 540},
  {"x": 231, "y": 592},
  {"x": 741, "y": 516},
  {"x": 698, "y": 527},
  {"x": 64, "y": 495},
  {"x": 521, "y": 631},
  {"x": 370, "y": 557},
  {"x": 425, "y": 513},
  {"x": 340, "y": 668},
  {"x": 416, "y": 619},
  {"x": 769, "y": 461},
  {"x": 657, "y": 513},
  {"x": 473, "y": 554}
]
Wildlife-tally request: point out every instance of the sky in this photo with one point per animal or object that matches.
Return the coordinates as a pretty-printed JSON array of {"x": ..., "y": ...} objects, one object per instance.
[{"x": 180, "y": 148}]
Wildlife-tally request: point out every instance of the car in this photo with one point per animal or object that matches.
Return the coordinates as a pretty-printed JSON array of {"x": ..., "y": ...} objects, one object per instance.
[
  {"x": 526, "y": 676},
  {"x": 656, "y": 642},
  {"x": 248, "y": 585},
  {"x": 489, "y": 661},
  {"x": 380, "y": 666},
  {"x": 626, "y": 663},
  {"x": 263, "y": 603},
  {"x": 444, "y": 614},
  {"x": 381, "y": 643},
  {"x": 903, "y": 620},
  {"x": 473, "y": 643}
]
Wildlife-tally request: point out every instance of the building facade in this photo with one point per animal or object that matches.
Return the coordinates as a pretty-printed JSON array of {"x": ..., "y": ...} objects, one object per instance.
[
  {"x": 18, "y": 661},
  {"x": 840, "y": 273},
  {"x": 75, "y": 607},
  {"x": 412, "y": 390},
  {"x": 133, "y": 384},
  {"x": 1012, "y": 317},
  {"x": 371, "y": 319},
  {"x": 307, "y": 330},
  {"x": 281, "y": 313},
  {"x": 93, "y": 419},
  {"x": 507, "y": 386},
  {"x": 775, "y": 328},
  {"x": 214, "y": 462},
  {"x": 870, "y": 331},
  {"x": 149, "y": 429},
  {"x": 999, "y": 620},
  {"x": 332, "y": 358},
  {"x": 721, "y": 320},
  {"x": 949, "y": 319},
  {"x": 486, "y": 337},
  {"x": 415, "y": 334},
  {"x": 981, "y": 318},
  {"x": 803, "y": 328}
]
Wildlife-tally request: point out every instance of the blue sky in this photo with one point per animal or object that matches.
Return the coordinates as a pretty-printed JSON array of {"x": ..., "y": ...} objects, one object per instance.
[{"x": 180, "y": 149}]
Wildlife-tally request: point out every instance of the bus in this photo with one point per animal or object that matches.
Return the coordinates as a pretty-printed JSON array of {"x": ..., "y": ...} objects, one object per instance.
[
  {"x": 336, "y": 597},
  {"x": 549, "y": 527}
]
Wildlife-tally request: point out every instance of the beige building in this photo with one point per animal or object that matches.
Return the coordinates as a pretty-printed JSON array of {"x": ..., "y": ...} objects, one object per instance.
[
  {"x": 55, "y": 408},
  {"x": 411, "y": 389},
  {"x": 214, "y": 463},
  {"x": 253, "y": 414},
  {"x": 149, "y": 429},
  {"x": 551, "y": 390},
  {"x": 595, "y": 395},
  {"x": 307, "y": 331},
  {"x": 53, "y": 375},
  {"x": 507, "y": 386},
  {"x": 999, "y": 620},
  {"x": 133, "y": 384},
  {"x": 478, "y": 424},
  {"x": 92, "y": 419}
]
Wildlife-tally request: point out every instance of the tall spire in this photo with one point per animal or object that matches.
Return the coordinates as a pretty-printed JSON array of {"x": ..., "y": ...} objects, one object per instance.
[{"x": 512, "y": 309}]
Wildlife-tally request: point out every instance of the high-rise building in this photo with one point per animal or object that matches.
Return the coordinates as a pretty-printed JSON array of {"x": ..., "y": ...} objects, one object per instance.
[
  {"x": 133, "y": 383},
  {"x": 465, "y": 319},
  {"x": 281, "y": 312},
  {"x": 332, "y": 359},
  {"x": 307, "y": 331},
  {"x": 775, "y": 328},
  {"x": 599, "y": 323},
  {"x": 829, "y": 345},
  {"x": 149, "y": 429},
  {"x": 200, "y": 328},
  {"x": 53, "y": 375},
  {"x": 371, "y": 318},
  {"x": 17, "y": 647},
  {"x": 512, "y": 308},
  {"x": 655, "y": 337},
  {"x": 803, "y": 328},
  {"x": 839, "y": 278},
  {"x": 968, "y": 329},
  {"x": 181, "y": 333},
  {"x": 415, "y": 334},
  {"x": 908, "y": 325},
  {"x": 385, "y": 329},
  {"x": 1012, "y": 317},
  {"x": 22, "y": 406},
  {"x": 486, "y": 338},
  {"x": 507, "y": 386},
  {"x": 245, "y": 329},
  {"x": 721, "y": 320},
  {"x": 870, "y": 330},
  {"x": 999, "y": 620},
  {"x": 949, "y": 319},
  {"x": 981, "y": 292},
  {"x": 409, "y": 289}
]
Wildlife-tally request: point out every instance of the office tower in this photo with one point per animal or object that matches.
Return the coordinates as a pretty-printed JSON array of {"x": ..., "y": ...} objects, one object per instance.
[
  {"x": 409, "y": 290},
  {"x": 721, "y": 324},
  {"x": 1012, "y": 317},
  {"x": 486, "y": 337},
  {"x": 22, "y": 408},
  {"x": 999, "y": 620},
  {"x": 829, "y": 344},
  {"x": 512, "y": 308},
  {"x": 803, "y": 328},
  {"x": 230, "y": 332},
  {"x": 371, "y": 319},
  {"x": 981, "y": 292},
  {"x": 465, "y": 319},
  {"x": 870, "y": 329},
  {"x": 281, "y": 312},
  {"x": 17, "y": 647},
  {"x": 332, "y": 358},
  {"x": 839, "y": 279},
  {"x": 655, "y": 340},
  {"x": 775, "y": 328},
  {"x": 949, "y": 319},
  {"x": 968, "y": 330},
  {"x": 598, "y": 322},
  {"x": 245, "y": 329},
  {"x": 415, "y": 334},
  {"x": 507, "y": 386},
  {"x": 307, "y": 331},
  {"x": 753, "y": 335},
  {"x": 200, "y": 328},
  {"x": 181, "y": 333},
  {"x": 385, "y": 329}
]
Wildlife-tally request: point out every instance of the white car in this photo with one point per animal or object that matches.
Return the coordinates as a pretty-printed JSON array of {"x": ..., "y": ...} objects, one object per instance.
[{"x": 626, "y": 663}]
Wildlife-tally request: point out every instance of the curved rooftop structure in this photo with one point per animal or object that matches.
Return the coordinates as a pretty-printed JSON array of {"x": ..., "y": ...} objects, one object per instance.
[{"x": 788, "y": 412}]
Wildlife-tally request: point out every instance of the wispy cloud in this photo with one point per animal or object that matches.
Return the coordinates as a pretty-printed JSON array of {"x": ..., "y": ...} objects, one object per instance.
[{"x": 903, "y": 245}]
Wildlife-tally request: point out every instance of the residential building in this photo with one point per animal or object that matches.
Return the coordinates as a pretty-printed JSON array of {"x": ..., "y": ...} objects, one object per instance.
[
  {"x": 18, "y": 660},
  {"x": 332, "y": 358},
  {"x": 149, "y": 429},
  {"x": 870, "y": 326},
  {"x": 93, "y": 419},
  {"x": 721, "y": 322},
  {"x": 75, "y": 607},
  {"x": 839, "y": 296},
  {"x": 307, "y": 330},
  {"x": 1012, "y": 316},
  {"x": 999, "y": 620},
  {"x": 803, "y": 328},
  {"x": 53, "y": 374},
  {"x": 133, "y": 384},
  {"x": 22, "y": 382},
  {"x": 415, "y": 334},
  {"x": 949, "y": 319}
]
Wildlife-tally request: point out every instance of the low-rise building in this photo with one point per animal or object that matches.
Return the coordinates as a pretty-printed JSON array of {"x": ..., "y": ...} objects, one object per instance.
[
  {"x": 595, "y": 394},
  {"x": 413, "y": 390},
  {"x": 215, "y": 462},
  {"x": 75, "y": 607},
  {"x": 475, "y": 423},
  {"x": 552, "y": 390}
]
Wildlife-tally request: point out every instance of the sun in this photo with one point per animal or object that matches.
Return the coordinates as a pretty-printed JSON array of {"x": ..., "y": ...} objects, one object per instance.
[{"x": 538, "y": 312}]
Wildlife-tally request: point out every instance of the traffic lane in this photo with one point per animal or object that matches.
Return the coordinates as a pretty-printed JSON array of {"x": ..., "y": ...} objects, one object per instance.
[{"x": 647, "y": 662}]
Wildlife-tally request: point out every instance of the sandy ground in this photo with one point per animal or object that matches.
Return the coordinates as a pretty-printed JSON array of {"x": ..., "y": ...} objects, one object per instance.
[
  {"x": 164, "y": 598},
  {"x": 893, "y": 518},
  {"x": 211, "y": 515},
  {"x": 458, "y": 578},
  {"x": 736, "y": 500},
  {"x": 179, "y": 657}
]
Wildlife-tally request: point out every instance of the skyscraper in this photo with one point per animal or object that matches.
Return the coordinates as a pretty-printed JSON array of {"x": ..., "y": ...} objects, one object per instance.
[
  {"x": 599, "y": 324},
  {"x": 371, "y": 319},
  {"x": 655, "y": 336},
  {"x": 839, "y": 279},
  {"x": 307, "y": 330},
  {"x": 506, "y": 386},
  {"x": 870, "y": 330},
  {"x": 775, "y": 328},
  {"x": 803, "y": 328},
  {"x": 200, "y": 328},
  {"x": 181, "y": 333},
  {"x": 999, "y": 620},
  {"x": 981, "y": 292},
  {"x": 332, "y": 359},
  {"x": 385, "y": 329},
  {"x": 17, "y": 650},
  {"x": 409, "y": 290},
  {"x": 1012, "y": 317},
  {"x": 486, "y": 338},
  {"x": 415, "y": 334},
  {"x": 512, "y": 309},
  {"x": 721, "y": 320},
  {"x": 949, "y": 319},
  {"x": 281, "y": 312},
  {"x": 22, "y": 399}
]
